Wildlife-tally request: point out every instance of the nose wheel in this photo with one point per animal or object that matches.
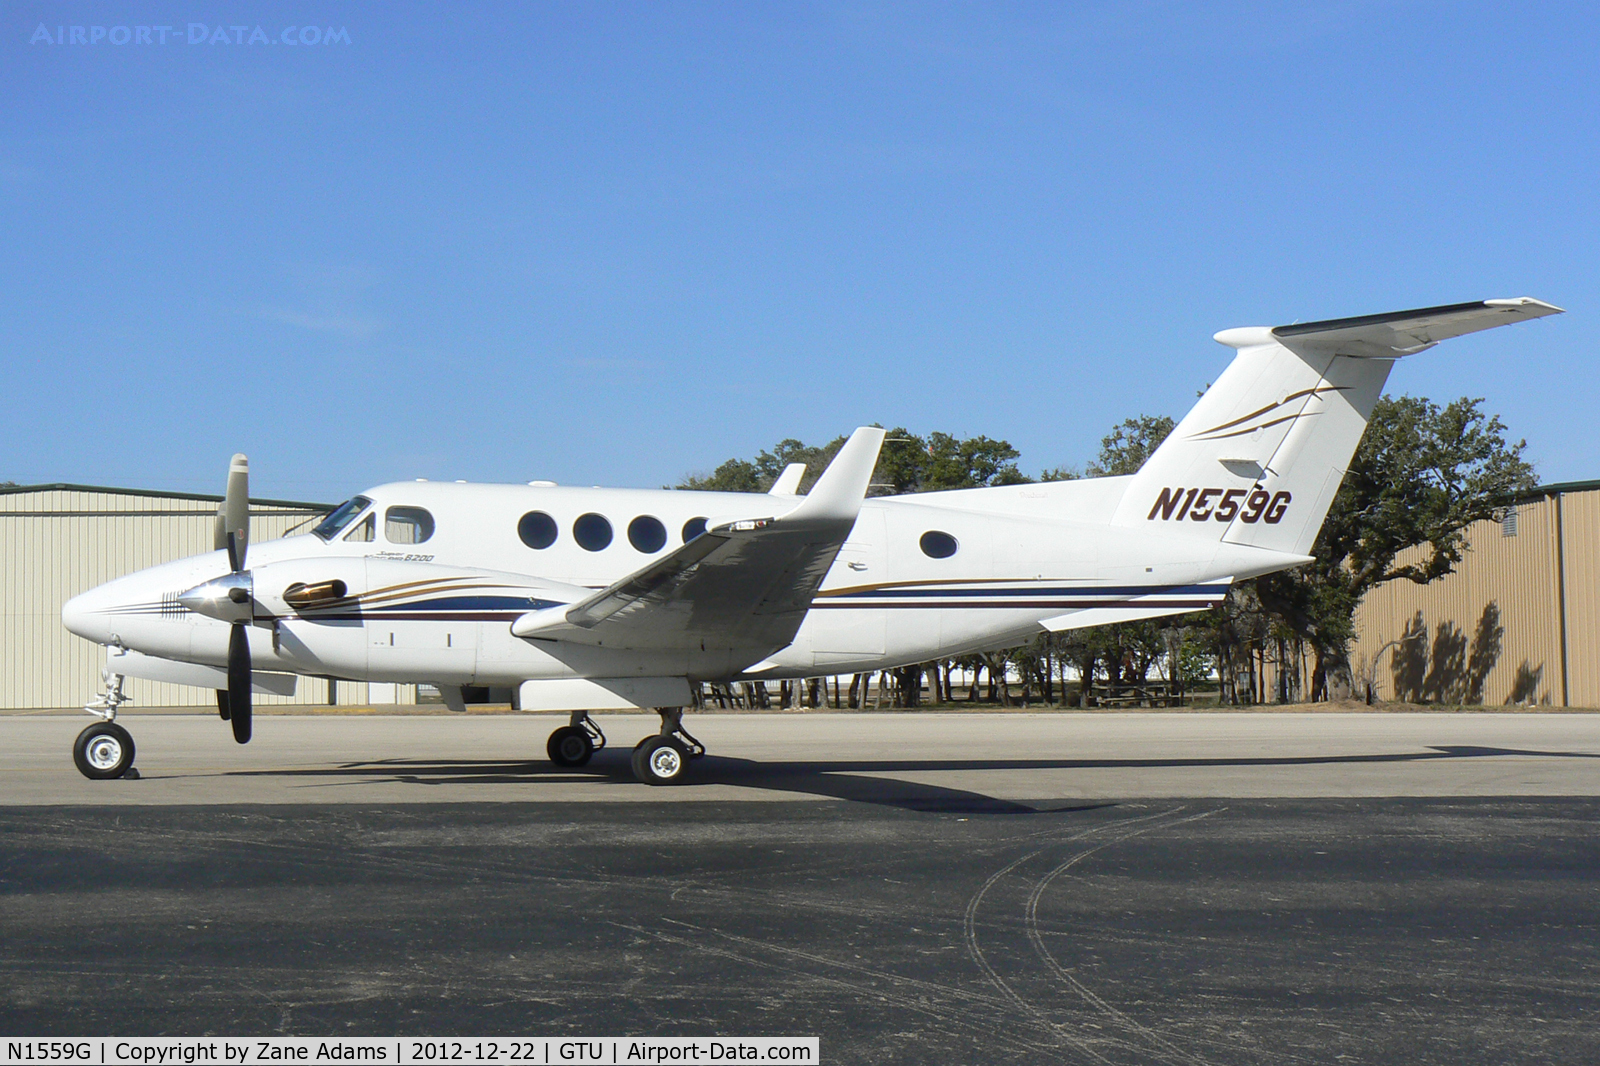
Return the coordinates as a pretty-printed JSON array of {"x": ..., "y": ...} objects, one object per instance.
[{"x": 104, "y": 751}]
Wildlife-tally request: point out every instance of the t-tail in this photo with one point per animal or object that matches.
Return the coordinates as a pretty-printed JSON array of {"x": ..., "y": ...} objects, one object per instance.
[{"x": 1258, "y": 460}]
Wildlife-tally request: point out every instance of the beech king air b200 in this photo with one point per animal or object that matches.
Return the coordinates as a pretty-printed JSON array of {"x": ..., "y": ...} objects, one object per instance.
[{"x": 608, "y": 599}]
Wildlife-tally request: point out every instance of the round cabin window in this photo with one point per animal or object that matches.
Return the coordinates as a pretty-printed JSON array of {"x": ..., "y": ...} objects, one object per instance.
[
  {"x": 647, "y": 534},
  {"x": 592, "y": 532},
  {"x": 693, "y": 528},
  {"x": 537, "y": 529},
  {"x": 937, "y": 545}
]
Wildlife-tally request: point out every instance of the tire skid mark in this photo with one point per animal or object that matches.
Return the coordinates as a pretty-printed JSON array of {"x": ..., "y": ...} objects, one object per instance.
[
  {"x": 943, "y": 1019},
  {"x": 975, "y": 949},
  {"x": 1036, "y": 938},
  {"x": 965, "y": 995},
  {"x": 407, "y": 860}
]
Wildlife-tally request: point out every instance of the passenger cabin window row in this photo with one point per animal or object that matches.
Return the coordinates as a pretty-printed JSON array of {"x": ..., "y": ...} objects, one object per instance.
[
  {"x": 593, "y": 532},
  {"x": 538, "y": 530}
]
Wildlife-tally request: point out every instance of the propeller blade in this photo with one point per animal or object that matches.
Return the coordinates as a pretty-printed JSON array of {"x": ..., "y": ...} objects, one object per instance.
[
  {"x": 233, "y": 513},
  {"x": 222, "y": 703},
  {"x": 239, "y": 682}
]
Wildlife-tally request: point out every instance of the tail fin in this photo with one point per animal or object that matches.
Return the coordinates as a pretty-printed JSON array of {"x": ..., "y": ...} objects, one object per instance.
[{"x": 1258, "y": 460}]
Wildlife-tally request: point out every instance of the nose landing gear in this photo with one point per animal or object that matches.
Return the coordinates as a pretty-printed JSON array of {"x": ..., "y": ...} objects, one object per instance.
[{"x": 105, "y": 749}]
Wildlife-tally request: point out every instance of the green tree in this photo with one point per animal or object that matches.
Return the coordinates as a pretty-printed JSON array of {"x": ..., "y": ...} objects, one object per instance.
[
  {"x": 907, "y": 463},
  {"x": 1125, "y": 448},
  {"x": 758, "y": 474}
]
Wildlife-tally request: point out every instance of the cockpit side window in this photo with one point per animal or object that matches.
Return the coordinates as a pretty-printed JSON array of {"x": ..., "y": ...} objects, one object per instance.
[
  {"x": 407, "y": 525},
  {"x": 363, "y": 530},
  {"x": 342, "y": 516}
]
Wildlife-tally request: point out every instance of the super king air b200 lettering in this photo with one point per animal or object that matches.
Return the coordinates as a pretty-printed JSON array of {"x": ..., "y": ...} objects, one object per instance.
[{"x": 607, "y": 599}]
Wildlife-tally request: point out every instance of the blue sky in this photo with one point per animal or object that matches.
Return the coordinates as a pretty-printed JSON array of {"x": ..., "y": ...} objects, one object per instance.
[{"x": 615, "y": 243}]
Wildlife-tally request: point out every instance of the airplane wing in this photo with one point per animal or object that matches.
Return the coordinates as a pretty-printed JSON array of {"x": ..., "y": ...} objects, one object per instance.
[
  {"x": 743, "y": 584},
  {"x": 1397, "y": 333}
]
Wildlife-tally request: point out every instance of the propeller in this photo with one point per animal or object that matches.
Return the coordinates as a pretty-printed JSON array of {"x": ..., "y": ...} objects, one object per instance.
[{"x": 232, "y": 598}]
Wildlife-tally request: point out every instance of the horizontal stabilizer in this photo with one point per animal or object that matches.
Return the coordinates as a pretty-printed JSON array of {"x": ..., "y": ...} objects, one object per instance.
[
  {"x": 1393, "y": 333},
  {"x": 1157, "y": 604}
]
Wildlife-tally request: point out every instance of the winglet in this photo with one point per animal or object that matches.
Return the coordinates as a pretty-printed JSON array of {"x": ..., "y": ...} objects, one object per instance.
[
  {"x": 841, "y": 488},
  {"x": 788, "y": 483}
]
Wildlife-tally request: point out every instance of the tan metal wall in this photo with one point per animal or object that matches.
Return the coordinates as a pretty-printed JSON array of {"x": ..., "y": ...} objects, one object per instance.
[
  {"x": 1498, "y": 630},
  {"x": 1580, "y": 514},
  {"x": 56, "y": 543}
]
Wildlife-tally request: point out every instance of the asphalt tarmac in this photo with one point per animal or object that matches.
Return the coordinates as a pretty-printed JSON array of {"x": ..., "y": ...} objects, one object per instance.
[
  {"x": 935, "y": 889},
  {"x": 924, "y": 760}
]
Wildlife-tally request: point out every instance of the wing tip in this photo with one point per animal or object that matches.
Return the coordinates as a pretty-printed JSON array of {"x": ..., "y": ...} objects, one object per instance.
[{"x": 1534, "y": 308}]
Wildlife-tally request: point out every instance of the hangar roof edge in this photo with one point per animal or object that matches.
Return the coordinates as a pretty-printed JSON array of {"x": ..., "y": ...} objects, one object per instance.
[
  {"x": 204, "y": 497},
  {"x": 1558, "y": 488}
]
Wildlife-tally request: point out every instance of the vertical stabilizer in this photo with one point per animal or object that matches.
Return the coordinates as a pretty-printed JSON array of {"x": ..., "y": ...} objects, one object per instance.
[{"x": 1259, "y": 459}]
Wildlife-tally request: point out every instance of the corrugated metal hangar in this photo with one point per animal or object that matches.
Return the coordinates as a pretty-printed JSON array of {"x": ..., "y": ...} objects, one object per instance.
[
  {"x": 1517, "y": 623},
  {"x": 59, "y": 540}
]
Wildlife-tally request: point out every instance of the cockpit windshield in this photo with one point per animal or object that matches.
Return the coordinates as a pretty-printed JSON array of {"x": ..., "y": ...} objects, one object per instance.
[{"x": 342, "y": 516}]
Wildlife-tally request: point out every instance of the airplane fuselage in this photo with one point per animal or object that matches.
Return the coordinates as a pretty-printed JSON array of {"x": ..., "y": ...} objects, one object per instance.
[{"x": 435, "y": 573}]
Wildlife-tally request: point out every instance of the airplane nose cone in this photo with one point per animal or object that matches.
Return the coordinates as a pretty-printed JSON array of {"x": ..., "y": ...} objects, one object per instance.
[{"x": 85, "y": 615}]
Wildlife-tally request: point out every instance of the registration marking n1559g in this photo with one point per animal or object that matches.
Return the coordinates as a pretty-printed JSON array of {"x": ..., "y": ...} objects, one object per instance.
[{"x": 1197, "y": 505}]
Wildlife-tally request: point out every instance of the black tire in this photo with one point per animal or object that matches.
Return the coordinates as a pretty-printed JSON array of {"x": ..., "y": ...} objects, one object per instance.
[
  {"x": 103, "y": 751},
  {"x": 570, "y": 746},
  {"x": 660, "y": 760}
]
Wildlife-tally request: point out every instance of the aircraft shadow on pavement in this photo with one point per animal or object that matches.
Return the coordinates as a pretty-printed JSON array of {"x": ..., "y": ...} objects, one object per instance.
[
  {"x": 855, "y": 780},
  {"x": 834, "y": 782}
]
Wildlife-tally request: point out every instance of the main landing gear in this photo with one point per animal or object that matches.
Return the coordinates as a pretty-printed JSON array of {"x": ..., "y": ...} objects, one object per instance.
[
  {"x": 573, "y": 745},
  {"x": 659, "y": 759},
  {"x": 663, "y": 759},
  {"x": 105, "y": 749}
]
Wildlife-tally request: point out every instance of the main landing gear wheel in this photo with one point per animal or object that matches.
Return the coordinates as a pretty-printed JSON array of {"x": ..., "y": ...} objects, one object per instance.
[
  {"x": 570, "y": 746},
  {"x": 573, "y": 744},
  {"x": 660, "y": 760},
  {"x": 663, "y": 759},
  {"x": 103, "y": 751}
]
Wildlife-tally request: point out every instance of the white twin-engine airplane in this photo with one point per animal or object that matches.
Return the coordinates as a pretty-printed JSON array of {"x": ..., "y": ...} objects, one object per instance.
[{"x": 606, "y": 599}]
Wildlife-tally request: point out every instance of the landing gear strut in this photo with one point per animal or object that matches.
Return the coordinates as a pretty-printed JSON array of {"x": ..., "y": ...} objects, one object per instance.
[
  {"x": 573, "y": 745},
  {"x": 105, "y": 749},
  {"x": 663, "y": 759}
]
